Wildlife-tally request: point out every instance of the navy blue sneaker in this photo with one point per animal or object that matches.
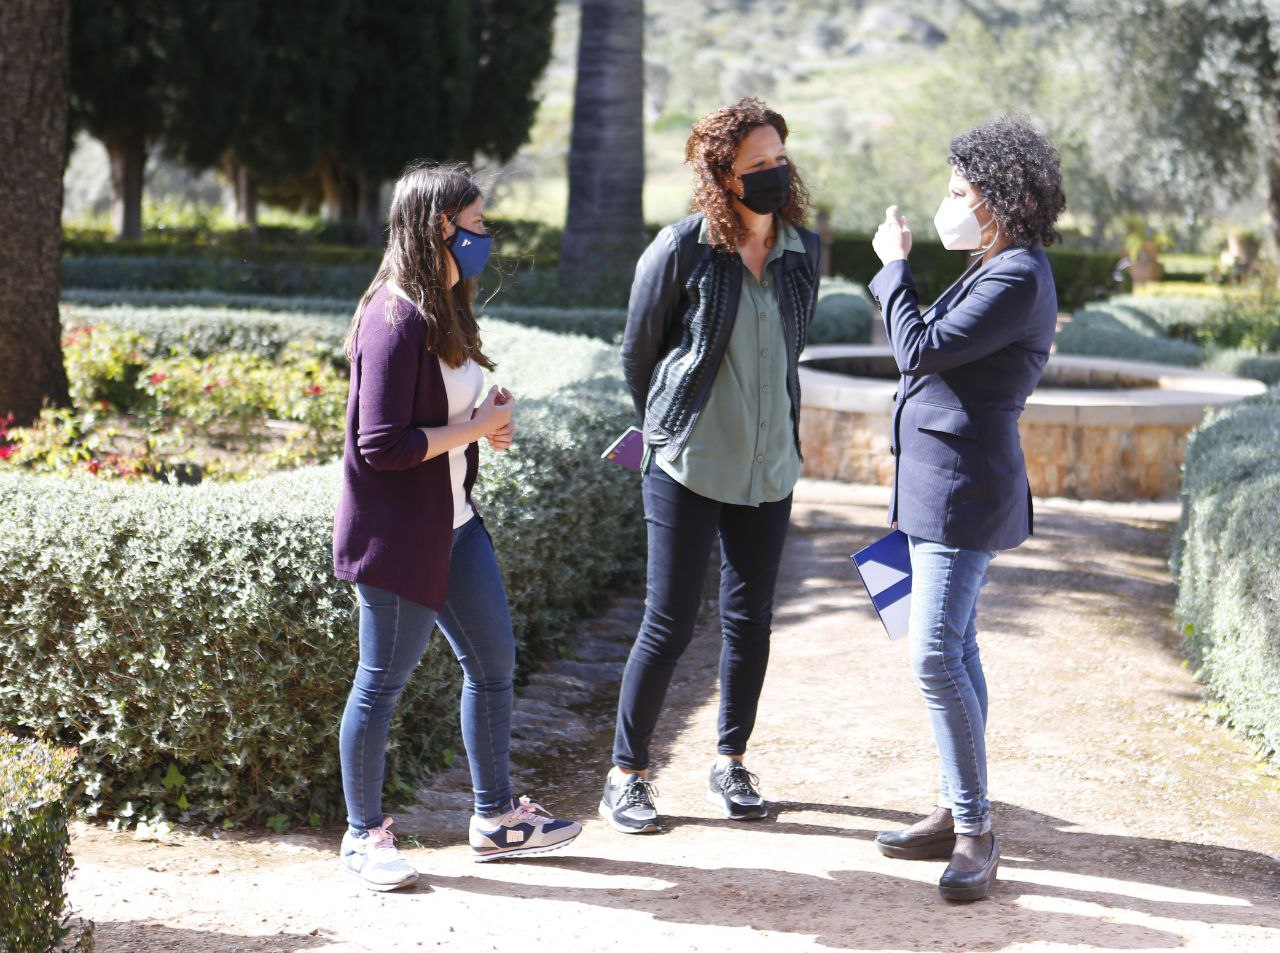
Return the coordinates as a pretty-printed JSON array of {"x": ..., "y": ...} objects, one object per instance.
[{"x": 527, "y": 828}]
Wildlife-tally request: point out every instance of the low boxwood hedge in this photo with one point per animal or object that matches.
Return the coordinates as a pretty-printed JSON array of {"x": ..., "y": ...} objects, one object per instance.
[
  {"x": 35, "y": 848},
  {"x": 219, "y": 274},
  {"x": 1227, "y": 563},
  {"x": 843, "y": 315},
  {"x": 1081, "y": 276},
  {"x": 195, "y": 645},
  {"x": 1110, "y": 330}
]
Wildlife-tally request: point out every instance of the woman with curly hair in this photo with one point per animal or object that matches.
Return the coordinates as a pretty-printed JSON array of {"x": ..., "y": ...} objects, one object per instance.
[
  {"x": 968, "y": 364},
  {"x": 718, "y": 316}
]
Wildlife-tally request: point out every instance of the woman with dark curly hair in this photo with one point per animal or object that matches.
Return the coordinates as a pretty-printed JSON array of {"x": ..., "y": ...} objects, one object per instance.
[
  {"x": 968, "y": 364},
  {"x": 718, "y": 316}
]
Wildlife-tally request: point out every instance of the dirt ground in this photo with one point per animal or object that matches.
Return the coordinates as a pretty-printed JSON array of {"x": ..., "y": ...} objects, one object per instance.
[{"x": 1130, "y": 820}]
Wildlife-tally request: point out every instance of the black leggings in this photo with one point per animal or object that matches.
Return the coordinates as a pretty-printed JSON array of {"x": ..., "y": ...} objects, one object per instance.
[{"x": 682, "y": 526}]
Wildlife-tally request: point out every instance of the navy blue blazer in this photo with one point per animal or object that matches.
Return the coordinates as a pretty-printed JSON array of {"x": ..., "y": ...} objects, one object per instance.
[{"x": 968, "y": 365}]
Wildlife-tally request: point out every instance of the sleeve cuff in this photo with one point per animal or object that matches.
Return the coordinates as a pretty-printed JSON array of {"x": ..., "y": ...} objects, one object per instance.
[{"x": 890, "y": 277}]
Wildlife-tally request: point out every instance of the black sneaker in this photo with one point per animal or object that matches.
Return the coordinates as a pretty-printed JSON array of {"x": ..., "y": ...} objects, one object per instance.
[
  {"x": 628, "y": 804},
  {"x": 734, "y": 790}
]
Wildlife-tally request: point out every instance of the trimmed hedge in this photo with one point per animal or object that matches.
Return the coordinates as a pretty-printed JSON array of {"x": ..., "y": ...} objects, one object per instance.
[
  {"x": 530, "y": 250},
  {"x": 1262, "y": 367},
  {"x": 219, "y": 274},
  {"x": 196, "y": 646},
  {"x": 1081, "y": 276},
  {"x": 1227, "y": 563},
  {"x": 844, "y": 313},
  {"x": 1111, "y": 330},
  {"x": 35, "y": 847}
]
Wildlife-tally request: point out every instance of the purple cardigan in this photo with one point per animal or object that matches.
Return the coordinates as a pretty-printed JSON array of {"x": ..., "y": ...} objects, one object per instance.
[{"x": 394, "y": 525}]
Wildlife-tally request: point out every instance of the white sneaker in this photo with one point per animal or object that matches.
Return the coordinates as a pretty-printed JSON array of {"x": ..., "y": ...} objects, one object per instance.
[
  {"x": 526, "y": 829},
  {"x": 375, "y": 860}
]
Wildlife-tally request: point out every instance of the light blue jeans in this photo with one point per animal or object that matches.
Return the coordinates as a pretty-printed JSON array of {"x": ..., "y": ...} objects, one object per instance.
[
  {"x": 393, "y": 635},
  {"x": 943, "y": 644}
]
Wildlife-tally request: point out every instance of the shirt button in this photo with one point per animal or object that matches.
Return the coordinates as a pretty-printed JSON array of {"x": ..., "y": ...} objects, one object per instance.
[
  {"x": 764, "y": 315},
  {"x": 765, "y": 283},
  {"x": 764, "y": 352},
  {"x": 764, "y": 425},
  {"x": 759, "y": 458},
  {"x": 765, "y": 388}
]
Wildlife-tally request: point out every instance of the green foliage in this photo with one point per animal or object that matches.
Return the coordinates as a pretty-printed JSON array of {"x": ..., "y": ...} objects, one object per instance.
[
  {"x": 511, "y": 43},
  {"x": 1251, "y": 326},
  {"x": 1122, "y": 331},
  {"x": 35, "y": 848},
  {"x": 103, "y": 364},
  {"x": 217, "y": 274},
  {"x": 843, "y": 315},
  {"x": 206, "y": 648},
  {"x": 1227, "y": 563},
  {"x": 1261, "y": 367},
  {"x": 1080, "y": 276}
]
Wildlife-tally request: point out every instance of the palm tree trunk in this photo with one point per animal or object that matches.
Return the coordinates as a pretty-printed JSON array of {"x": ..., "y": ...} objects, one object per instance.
[
  {"x": 34, "y": 39},
  {"x": 604, "y": 231}
]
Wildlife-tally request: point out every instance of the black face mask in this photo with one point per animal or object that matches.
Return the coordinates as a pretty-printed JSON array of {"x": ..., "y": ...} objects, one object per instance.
[{"x": 768, "y": 190}]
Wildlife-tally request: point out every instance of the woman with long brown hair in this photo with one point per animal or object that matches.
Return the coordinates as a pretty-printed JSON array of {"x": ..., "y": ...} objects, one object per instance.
[
  {"x": 718, "y": 316},
  {"x": 407, "y": 533}
]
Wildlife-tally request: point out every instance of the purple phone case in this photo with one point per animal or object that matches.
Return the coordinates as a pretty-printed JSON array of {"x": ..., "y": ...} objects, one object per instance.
[{"x": 627, "y": 450}]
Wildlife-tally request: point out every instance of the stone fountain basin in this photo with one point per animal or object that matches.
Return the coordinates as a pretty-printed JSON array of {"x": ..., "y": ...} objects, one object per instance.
[{"x": 1096, "y": 428}]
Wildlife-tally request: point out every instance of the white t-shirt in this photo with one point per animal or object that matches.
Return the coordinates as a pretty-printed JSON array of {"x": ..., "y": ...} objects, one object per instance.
[{"x": 462, "y": 386}]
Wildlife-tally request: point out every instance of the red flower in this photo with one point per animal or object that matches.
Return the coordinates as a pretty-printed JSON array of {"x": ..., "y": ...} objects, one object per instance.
[
  {"x": 157, "y": 378},
  {"x": 93, "y": 466},
  {"x": 104, "y": 404},
  {"x": 208, "y": 388},
  {"x": 315, "y": 390},
  {"x": 6, "y": 450}
]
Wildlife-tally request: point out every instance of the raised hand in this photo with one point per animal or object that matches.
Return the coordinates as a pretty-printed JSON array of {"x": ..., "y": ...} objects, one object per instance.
[{"x": 892, "y": 241}]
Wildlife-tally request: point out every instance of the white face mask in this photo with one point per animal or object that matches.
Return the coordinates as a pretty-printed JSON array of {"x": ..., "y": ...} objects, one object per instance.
[{"x": 957, "y": 226}]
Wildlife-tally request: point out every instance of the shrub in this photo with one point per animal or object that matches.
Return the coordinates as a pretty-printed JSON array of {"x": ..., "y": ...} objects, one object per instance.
[
  {"x": 35, "y": 851},
  {"x": 196, "y": 646},
  {"x": 220, "y": 274},
  {"x": 1227, "y": 563},
  {"x": 1262, "y": 367},
  {"x": 843, "y": 315},
  {"x": 1081, "y": 276},
  {"x": 205, "y": 331},
  {"x": 1176, "y": 315},
  {"x": 1247, "y": 325},
  {"x": 1106, "y": 330}
]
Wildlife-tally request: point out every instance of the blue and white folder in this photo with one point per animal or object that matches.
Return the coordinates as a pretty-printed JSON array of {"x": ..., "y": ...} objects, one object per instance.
[{"x": 885, "y": 569}]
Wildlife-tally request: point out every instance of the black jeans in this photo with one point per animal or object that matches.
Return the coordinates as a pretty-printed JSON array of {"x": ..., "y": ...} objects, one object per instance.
[{"x": 682, "y": 526}]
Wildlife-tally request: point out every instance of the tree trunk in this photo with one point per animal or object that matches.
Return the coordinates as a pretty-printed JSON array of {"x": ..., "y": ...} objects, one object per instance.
[
  {"x": 246, "y": 188},
  {"x": 339, "y": 189},
  {"x": 34, "y": 76},
  {"x": 604, "y": 232},
  {"x": 1273, "y": 177},
  {"x": 128, "y": 154},
  {"x": 369, "y": 212}
]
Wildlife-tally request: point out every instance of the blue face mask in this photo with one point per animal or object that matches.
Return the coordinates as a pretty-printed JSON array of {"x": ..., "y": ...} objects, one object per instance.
[{"x": 470, "y": 250}]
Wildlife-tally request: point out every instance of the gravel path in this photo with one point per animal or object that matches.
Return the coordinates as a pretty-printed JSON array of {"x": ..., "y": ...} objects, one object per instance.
[{"x": 1130, "y": 819}]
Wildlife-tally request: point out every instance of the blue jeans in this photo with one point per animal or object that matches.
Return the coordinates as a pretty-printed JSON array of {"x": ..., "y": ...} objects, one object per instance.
[
  {"x": 943, "y": 643},
  {"x": 393, "y": 635}
]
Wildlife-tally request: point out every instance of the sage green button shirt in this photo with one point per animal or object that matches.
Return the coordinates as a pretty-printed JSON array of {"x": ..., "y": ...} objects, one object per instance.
[{"x": 742, "y": 449}]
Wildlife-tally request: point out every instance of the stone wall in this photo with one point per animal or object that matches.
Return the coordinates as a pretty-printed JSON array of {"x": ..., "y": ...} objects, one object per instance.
[{"x": 1131, "y": 462}]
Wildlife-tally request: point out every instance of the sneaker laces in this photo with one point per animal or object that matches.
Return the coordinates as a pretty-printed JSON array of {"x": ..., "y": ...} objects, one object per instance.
[
  {"x": 381, "y": 838},
  {"x": 525, "y": 811},
  {"x": 639, "y": 792},
  {"x": 738, "y": 780}
]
